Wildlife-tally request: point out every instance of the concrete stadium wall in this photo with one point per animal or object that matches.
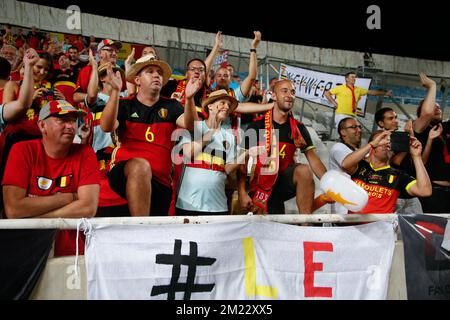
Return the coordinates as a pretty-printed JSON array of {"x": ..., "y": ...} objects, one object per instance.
[{"x": 53, "y": 19}]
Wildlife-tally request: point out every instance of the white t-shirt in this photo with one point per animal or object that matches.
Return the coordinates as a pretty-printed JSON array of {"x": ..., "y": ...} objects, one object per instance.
[
  {"x": 337, "y": 155},
  {"x": 203, "y": 189}
]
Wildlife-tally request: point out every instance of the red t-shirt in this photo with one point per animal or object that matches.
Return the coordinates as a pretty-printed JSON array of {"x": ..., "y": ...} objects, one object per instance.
[
  {"x": 14, "y": 76},
  {"x": 33, "y": 40},
  {"x": 20, "y": 41},
  {"x": 30, "y": 168},
  {"x": 79, "y": 44},
  {"x": 83, "y": 79}
]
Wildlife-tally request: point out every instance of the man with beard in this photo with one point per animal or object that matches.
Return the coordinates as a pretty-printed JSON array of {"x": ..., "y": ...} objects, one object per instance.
[
  {"x": 75, "y": 64},
  {"x": 434, "y": 133},
  {"x": 10, "y": 53},
  {"x": 277, "y": 177}
]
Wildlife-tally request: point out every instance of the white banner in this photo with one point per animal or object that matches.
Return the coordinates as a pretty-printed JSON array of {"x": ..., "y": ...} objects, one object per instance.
[
  {"x": 223, "y": 57},
  {"x": 446, "y": 241},
  {"x": 239, "y": 260},
  {"x": 311, "y": 85}
]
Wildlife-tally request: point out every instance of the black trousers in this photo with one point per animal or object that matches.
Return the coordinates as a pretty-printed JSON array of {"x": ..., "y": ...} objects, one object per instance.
[{"x": 439, "y": 202}]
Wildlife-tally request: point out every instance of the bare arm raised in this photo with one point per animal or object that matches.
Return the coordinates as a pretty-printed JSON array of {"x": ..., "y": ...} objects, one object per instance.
[
  {"x": 108, "y": 121},
  {"x": 92, "y": 89},
  {"x": 246, "y": 85},
  {"x": 15, "y": 108},
  {"x": 187, "y": 119},
  {"x": 350, "y": 163},
  {"x": 217, "y": 45},
  {"x": 428, "y": 105},
  {"x": 423, "y": 186}
]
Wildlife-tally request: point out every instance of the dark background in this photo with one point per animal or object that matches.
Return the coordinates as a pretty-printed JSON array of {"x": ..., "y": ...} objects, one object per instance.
[{"x": 408, "y": 28}]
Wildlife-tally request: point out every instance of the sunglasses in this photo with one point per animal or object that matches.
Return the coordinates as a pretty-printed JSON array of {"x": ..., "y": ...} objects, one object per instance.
[{"x": 354, "y": 127}]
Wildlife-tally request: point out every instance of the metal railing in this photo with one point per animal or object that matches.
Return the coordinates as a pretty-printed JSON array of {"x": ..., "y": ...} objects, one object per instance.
[{"x": 68, "y": 224}]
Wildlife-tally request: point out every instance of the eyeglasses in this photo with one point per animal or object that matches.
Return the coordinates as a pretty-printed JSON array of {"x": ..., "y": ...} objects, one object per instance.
[
  {"x": 199, "y": 69},
  {"x": 354, "y": 127},
  {"x": 110, "y": 50}
]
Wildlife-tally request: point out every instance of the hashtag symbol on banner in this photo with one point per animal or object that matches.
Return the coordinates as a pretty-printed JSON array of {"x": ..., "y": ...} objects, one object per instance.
[{"x": 192, "y": 261}]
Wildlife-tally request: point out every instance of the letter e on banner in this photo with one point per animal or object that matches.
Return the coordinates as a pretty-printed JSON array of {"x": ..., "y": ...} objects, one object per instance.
[{"x": 311, "y": 267}]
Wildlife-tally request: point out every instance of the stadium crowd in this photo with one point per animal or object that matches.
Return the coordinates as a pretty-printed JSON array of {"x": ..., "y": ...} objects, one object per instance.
[{"x": 83, "y": 137}]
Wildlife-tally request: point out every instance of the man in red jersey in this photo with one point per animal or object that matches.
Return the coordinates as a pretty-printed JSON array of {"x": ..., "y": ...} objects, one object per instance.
[
  {"x": 52, "y": 177},
  {"x": 141, "y": 164}
]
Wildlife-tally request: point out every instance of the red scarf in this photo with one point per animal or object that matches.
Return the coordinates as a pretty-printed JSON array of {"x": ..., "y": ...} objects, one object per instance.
[
  {"x": 446, "y": 153},
  {"x": 266, "y": 170},
  {"x": 262, "y": 184},
  {"x": 181, "y": 88},
  {"x": 235, "y": 118},
  {"x": 352, "y": 89},
  {"x": 299, "y": 141}
]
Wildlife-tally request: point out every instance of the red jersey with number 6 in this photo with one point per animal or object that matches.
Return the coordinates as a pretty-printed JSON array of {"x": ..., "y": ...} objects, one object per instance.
[{"x": 146, "y": 132}]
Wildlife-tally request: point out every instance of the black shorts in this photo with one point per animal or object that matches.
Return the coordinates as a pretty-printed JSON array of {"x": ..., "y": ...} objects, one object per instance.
[
  {"x": 161, "y": 194},
  {"x": 113, "y": 211},
  {"x": 438, "y": 202},
  {"x": 283, "y": 190}
]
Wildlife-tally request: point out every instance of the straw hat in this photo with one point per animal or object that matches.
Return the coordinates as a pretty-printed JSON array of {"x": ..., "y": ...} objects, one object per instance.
[
  {"x": 102, "y": 70},
  {"x": 217, "y": 95},
  {"x": 145, "y": 61}
]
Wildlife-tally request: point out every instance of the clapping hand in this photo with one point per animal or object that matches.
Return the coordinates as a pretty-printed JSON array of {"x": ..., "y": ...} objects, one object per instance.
[
  {"x": 426, "y": 82},
  {"x": 435, "y": 132},
  {"x": 256, "y": 40},
  {"x": 113, "y": 79},
  {"x": 192, "y": 87}
]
